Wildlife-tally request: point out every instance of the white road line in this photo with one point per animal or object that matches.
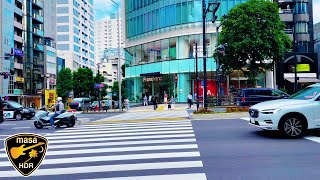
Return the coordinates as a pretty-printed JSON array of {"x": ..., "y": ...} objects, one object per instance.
[
  {"x": 121, "y": 149},
  {"x": 313, "y": 138},
  {"x": 107, "y": 168},
  {"x": 8, "y": 124},
  {"x": 120, "y": 128},
  {"x": 195, "y": 176},
  {"x": 106, "y": 131},
  {"x": 119, "y": 134},
  {"x": 118, "y": 124},
  {"x": 113, "y": 158},
  {"x": 121, "y": 138},
  {"x": 82, "y": 145},
  {"x": 245, "y": 118},
  {"x": 21, "y": 128}
]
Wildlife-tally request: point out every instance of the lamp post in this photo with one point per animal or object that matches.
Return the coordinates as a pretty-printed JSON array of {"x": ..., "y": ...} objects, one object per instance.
[
  {"x": 119, "y": 56},
  {"x": 295, "y": 48},
  {"x": 205, "y": 10},
  {"x": 99, "y": 89}
]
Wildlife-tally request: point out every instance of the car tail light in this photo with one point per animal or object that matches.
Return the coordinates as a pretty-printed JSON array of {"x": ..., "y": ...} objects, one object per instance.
[{"x": 243, "y": 99}]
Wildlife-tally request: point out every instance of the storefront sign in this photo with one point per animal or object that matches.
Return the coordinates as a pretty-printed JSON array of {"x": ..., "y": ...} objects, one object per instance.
[
  {"x": 52, "y": 81},
  {"x": 51, "y": 95},
  {"x": 147, "y": 79},
  {"x": 17, "y": 91},
  {"x": 303, "y": 67}
]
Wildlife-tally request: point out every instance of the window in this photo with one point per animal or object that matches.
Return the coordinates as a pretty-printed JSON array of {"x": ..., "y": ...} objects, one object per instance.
[
  {"x": 75, "y": 3},
  {"x": 76, "y": 48},
  {"x": 63, "y": 37},
  {"x": 63, "y": 19},
  {"x": 76, "y": 30},
  {"x": 76, "y": 39},
  {"x": 62, "y": 10},
  {"x": 50, "y": 53},
  {"x": 75, "y": 12},
  {"x": 62, "y": 2},
  {"x": 76, "y": 21},
  {"x": 63, "y": 28},
  {"x": 51, "y": 65},
  {"x": 63, "y": 47}
]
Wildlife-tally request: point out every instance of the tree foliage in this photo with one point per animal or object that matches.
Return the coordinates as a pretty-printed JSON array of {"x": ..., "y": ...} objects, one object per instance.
[
  {"x": 254, "y": 32},
  {"x": 83, "y": 83},
  {"x": 99, "y": 79},
  {"x": 115, "y": 90},
  {"x": 64, "y": 83}
]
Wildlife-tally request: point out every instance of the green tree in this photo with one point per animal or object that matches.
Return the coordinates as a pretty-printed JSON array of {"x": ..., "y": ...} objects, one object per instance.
[
  {"x": 115, "y": 90},
  {"x": 99, "y": 79},
  {"x": 64, "y": 83},
  {"x": 254, "y": 32},
  {"x": 83, "y": 83}
]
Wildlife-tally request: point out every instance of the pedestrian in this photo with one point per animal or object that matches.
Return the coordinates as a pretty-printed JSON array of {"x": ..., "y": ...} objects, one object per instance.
[
  {"x": 165, "y": 98},
  {"x": 189, "y": 100},
  {"x": 126, "y": 102},
  {"x": 155, "y": 106},
  {"x": 145, "y": 100},
  {"x": 172, "y": 102}
]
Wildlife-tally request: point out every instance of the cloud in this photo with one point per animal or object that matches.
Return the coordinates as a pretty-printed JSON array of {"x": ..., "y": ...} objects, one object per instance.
[
  {"x": 103, "y": 8},
  {"x": 316, "y": 12}
]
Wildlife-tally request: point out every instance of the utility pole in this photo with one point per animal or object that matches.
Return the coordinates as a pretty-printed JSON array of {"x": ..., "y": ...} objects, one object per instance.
[
  {"x": 205, "y": 10},
  {"x": 99, "y": 89},
  {"x": 197, "y": 78},
  {"x": 295, "y": 49}
]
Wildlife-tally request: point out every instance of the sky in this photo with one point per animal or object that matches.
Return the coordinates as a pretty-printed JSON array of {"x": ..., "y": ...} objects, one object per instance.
[{"x": 103, "y": 8}]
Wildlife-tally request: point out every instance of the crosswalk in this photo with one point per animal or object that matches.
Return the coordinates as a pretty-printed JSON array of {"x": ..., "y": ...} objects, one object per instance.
[
  {"x": 119, "y": 151},
  {"x": 178, "y": 115}
]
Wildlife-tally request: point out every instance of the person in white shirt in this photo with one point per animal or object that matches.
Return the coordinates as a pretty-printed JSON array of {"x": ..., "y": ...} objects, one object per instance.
[{"x": 190, "y": 100}]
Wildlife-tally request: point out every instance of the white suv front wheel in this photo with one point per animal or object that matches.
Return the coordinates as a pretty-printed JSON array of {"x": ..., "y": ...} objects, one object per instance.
[{"x": 292, "y": 126}]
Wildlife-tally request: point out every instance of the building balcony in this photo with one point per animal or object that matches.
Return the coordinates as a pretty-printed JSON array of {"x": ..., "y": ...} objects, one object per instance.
[
  {"x": 38, "y": 17},
  {"x": 18, "y": 38},
  {"x": 38, "y": 3},
  {"x": 302, "y": 17},
  {"x": 286, "y": 17},
  {"x": 18, "y": 65},
  {"x": 17, "y": 24},
  {"x": 19, "y": 79},
  {"x": 303, "y": 37},
  {"x": 38, "y": 32},
  {"x": 38, "y": 47}
]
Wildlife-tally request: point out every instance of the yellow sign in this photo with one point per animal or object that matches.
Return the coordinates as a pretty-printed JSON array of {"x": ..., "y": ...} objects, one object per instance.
[
  {"x": 26, "y": 152},
  {"x": 303, "y": 67}
]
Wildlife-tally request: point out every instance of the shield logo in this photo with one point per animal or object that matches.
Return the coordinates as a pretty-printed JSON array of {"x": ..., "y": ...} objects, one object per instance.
[{"x": 26, "y": 152}]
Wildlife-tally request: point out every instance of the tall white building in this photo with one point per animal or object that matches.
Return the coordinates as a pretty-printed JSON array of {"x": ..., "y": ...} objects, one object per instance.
[
  {"x": 106, "y": 36},
  {"x": 75, "y": 33}
]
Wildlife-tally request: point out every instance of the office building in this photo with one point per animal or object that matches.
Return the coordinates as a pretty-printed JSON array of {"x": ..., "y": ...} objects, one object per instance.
[{"x": 75, "y": 33}]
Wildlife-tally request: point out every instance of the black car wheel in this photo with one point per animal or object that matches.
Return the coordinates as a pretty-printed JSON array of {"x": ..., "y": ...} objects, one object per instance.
[
  {"x": 38, "y": 125},
  {"x": 19, "y": 117}
]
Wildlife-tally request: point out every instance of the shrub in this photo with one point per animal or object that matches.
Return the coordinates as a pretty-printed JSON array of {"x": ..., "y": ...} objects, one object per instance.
[{"x": 203, "y": 111}]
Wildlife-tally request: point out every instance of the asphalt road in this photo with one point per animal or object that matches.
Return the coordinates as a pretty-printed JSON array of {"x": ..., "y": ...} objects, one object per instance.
[{"x": 177, "y": 150}]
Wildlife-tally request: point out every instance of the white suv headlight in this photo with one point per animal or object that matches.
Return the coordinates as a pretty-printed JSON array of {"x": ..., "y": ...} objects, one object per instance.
[{"x": 270, "y": 111}]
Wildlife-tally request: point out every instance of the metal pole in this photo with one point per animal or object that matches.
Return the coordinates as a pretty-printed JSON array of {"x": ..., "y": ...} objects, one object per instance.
[
  {"x": 294, "y": 50},
  {"x": 99, "y": 83},
  {"x": 119, "y": 57},
  {"x": 217, "y": 67},
  {"x": 204, "y": 13},
  {"x": 197, "y": 78}
]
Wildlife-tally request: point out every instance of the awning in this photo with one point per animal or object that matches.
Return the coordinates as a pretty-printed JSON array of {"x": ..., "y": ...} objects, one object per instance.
[{"x": 304, "y": 80}]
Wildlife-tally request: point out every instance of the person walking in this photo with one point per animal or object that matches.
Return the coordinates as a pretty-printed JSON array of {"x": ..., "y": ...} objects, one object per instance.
[
  {"x": 165, "y": 98},
  {"x": 172, "y": 103},
  {"x": 145, "y": 100},
  {"x": 59, "y": 107},
  {"x": 126, "y": 102},
  {"x": 154, "y": 100},
  {"x": 190, "y": 100}
]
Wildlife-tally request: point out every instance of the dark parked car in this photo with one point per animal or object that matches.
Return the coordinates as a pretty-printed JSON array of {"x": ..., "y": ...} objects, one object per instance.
[
  {"x": 14, "y": 110},
  {"x": 251, "y": 96}
]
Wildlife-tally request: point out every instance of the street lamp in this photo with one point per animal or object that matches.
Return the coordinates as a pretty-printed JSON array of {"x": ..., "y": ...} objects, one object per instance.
[
  {"x": 119, "y": 57},
  {"x": 98, "y": 64}
]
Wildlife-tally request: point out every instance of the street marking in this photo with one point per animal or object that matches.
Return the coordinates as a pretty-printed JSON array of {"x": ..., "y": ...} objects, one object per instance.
[
  {"x": 121, "y": 143},
  {"x": 245, "y": 118},
  {"x": 113, "y": 158},
  {"x": 313, "y": 138},
  {"x": 106, "y": 131},
  {"x": 195, "y": 176},
  {"x": 8, "y": 124},
  {"x": 121, "y": 149},
  {"x": 21, "y": 128},
  {"x": 121, "y": 138},
  {"x": 138, "y": 120},
  {"x": 138, "y": 123},
  {"x": 119, "y": 134},
  {"x": 108, "y": 168}
]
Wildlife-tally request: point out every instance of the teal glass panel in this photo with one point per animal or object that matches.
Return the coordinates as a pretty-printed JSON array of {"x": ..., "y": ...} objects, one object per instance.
[{"x": 165, "y": 67}]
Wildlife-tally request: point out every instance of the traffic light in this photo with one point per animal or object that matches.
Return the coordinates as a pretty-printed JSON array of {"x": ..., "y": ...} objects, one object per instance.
[
  {"x": 5, "y": 75},
  {"x": 11, "y": 72}
]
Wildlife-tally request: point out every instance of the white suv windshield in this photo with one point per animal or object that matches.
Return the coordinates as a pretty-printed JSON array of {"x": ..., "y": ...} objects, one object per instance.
[{"x": 307, "y": 93}]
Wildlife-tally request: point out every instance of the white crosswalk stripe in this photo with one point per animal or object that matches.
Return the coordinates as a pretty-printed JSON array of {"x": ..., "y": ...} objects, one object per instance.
[{"x": 120, "y": 151}]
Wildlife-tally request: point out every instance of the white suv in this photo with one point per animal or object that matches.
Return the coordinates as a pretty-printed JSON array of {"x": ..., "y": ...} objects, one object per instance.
[{"x": 291, "y": 116}]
